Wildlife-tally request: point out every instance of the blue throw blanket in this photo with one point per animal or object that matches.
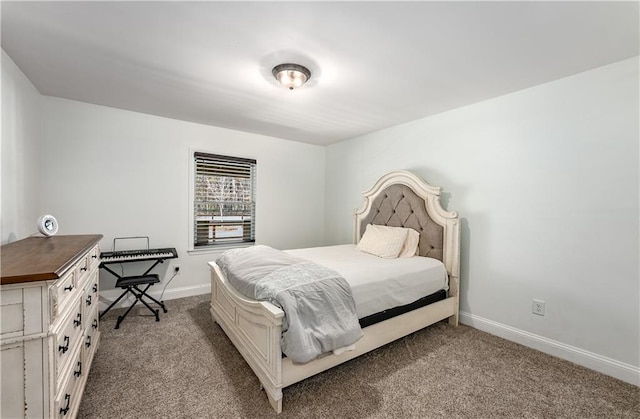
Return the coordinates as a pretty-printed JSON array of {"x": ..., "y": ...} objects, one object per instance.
[{"x": 320, "y": 314}]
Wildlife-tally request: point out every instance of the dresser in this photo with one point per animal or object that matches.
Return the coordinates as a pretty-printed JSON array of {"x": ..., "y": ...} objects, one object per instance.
[{"x": 49, "y": 324}]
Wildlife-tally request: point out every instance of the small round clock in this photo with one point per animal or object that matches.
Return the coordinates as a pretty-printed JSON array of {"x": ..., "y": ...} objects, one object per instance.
[{"x": 48, "y": 225}]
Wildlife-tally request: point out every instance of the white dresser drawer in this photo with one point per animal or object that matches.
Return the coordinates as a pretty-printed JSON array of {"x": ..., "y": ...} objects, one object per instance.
[
  {"x": 82, "y": 271},
  {"x": 61, "y": 292},
  {"x": 67, "y": 339},
  {"x": 90, "y": 298},
  {"x": 91, "y": 336},
  {"x": 94, "y": 257},
  {"x": 68, "y": 396}
]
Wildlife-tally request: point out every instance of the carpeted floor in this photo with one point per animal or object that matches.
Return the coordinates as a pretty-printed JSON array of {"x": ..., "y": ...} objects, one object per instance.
[{"x": 185, "y": 367}]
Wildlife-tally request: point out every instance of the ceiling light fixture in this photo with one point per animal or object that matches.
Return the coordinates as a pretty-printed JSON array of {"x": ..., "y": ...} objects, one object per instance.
[{"x": 291, "y": 76}]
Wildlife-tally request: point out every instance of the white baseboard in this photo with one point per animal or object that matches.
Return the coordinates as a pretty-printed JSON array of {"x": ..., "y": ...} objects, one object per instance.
[
  {"x": 108, "y": 296},
  {"x": 608, "y": 366}
]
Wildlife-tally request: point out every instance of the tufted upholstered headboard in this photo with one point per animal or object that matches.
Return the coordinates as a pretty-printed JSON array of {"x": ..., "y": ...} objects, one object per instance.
[
  {"x": 399, "y": 206},
  {"x": 402, "y": 199}
]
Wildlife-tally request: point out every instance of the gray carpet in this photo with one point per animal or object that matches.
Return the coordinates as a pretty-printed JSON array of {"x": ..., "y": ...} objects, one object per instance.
[{"x": 185, "y": 367}]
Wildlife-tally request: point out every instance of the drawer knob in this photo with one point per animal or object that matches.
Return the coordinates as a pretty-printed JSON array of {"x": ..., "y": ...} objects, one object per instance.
[
  {"x": 78, "y": 321},
  {"x": 95, "y": 287},
  {"x": 63, "y": 411},
  {"x": 94, "y": 256},
  {"x": 64, "y": 348},
  {"x": 88, "y": 300},
  {"x": 88, "y": 342},
  {"x": 95, "y": 323},
  {"x": 78, "y": 372},
  {"x": 83, "y": 269},
  {"x": 69, "y": 288}
]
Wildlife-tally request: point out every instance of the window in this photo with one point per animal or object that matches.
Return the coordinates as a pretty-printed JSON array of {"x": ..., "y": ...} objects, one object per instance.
[{"x": 224, "y": 200}]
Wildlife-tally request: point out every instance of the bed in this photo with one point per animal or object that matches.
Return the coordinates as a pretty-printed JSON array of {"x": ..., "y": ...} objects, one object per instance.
[{"x": 398, "y": 199}]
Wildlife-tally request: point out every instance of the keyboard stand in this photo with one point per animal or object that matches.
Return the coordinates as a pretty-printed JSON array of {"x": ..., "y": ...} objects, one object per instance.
[{"x": 130, "y": 285}]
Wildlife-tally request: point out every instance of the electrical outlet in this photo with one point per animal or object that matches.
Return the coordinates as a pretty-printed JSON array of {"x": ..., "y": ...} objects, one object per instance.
[
  {"x": 176, "y": 269},
  {"x": 538, "y": 307}
]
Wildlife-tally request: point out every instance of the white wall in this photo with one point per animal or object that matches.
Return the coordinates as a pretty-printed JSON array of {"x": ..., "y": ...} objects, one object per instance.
[
  {"x": 122, "y": 173},
  {"x": 546, "y": 182},
  {"x": 20, "y": 154}
]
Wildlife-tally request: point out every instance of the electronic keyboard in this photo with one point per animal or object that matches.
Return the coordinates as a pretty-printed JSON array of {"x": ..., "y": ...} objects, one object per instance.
[{"x": 123, "y": 256}]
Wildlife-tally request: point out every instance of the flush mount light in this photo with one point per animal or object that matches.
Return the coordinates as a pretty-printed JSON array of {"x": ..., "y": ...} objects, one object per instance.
[{"x": 291, "y": 76}]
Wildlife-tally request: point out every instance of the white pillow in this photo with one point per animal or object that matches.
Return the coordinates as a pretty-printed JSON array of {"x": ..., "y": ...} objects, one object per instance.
[
  {"x": 382, "y": 241},
  {"x": 410, "y": 247}
]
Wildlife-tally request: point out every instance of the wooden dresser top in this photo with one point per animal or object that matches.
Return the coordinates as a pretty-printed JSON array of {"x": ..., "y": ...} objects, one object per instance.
[{"x": 42, "y": 258}]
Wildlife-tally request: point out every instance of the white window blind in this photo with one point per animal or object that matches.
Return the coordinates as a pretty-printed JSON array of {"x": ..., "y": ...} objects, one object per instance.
[{"x": 224, "y": 200}]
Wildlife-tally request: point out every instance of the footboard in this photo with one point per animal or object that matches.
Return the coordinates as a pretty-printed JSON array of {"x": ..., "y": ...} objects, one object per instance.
[{"x": 255, "y": 328}]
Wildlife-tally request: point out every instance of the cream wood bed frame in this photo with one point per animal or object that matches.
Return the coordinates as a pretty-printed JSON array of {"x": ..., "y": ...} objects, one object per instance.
[{"x": 255, "y": 327}]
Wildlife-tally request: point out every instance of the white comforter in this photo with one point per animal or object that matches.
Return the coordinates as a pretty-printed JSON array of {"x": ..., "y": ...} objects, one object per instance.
[{"x": 379, "y": 284}]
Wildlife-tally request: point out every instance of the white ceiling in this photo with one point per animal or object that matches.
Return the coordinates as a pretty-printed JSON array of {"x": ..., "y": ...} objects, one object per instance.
[{"x": 373, "y": 64}]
